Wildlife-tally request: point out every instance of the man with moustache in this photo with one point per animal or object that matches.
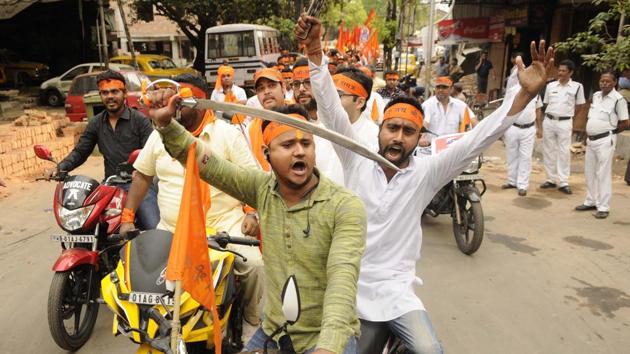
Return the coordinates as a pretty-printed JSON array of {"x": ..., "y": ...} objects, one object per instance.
[
  {"x": 223, "y": 213},
  {"x": 314, "y": 229},
  {"x": 386, "y": 301},
  {"x": 607, "y": 117},
  {"x": 118, "y": 131},
  {"x": 326, "y": 160}
]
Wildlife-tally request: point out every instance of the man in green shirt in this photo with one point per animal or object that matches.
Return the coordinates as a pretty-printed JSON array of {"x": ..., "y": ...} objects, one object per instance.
[{"x": 313, "y": 229}]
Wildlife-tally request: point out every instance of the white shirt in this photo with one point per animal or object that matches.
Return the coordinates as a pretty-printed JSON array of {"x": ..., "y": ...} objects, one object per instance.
[
  {"x": 380, "y": 106},
  {"x": 219, "y": 95},
  {"x": 562, "y": 99},
  {"x": 326, "y": 159},
  {"x": 529, "y": 113},
  {"x": 441, "y": 122},
  {"x": 366, "y": 132},
  {"x": 606, "y": 112},
  {"x": 394, "y": 235},
  {"x": 288, "y": 95},
  {"x": 225, "y": 141}
]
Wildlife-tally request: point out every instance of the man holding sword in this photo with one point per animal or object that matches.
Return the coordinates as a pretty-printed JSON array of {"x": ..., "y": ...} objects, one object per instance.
[{"x": 386, "y": 302}]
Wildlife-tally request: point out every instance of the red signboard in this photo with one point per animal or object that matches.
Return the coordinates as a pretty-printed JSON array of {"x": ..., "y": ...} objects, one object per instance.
[
  {"x": 463, "y": 30},
  {"x": 496, "y": 29}
]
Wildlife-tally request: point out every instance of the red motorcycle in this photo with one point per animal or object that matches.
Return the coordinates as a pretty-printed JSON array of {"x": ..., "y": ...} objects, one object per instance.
[{"x": 90, "y": 214}]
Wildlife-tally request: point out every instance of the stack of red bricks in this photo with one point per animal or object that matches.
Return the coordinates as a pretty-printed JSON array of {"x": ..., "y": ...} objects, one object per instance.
[{"x": 53, "y": 130}]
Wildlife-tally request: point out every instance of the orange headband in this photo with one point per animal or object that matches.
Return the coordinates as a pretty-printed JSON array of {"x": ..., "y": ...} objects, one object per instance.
[
  {"x": 105, "y": 85},
  {"x": 274, "y": 129},
  {"x": 287, "y": 75},
  {"x": 404, "y": 111},
  {"x": 392, "y": 76},
  {"x": 301, "y": 72},
  {"x": 196, "y": 91},
  {"x": 350, "y": 86}
]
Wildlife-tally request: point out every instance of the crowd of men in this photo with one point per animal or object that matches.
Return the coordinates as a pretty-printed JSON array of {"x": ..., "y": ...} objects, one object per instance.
[{"x": 347, "y": 227}]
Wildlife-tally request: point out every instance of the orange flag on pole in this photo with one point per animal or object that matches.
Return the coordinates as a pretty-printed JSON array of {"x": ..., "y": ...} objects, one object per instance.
[{"x": 188, "y": 260}]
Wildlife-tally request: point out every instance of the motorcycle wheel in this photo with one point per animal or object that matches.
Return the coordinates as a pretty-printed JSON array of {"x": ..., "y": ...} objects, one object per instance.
[
  {"x": 469, "y": 233},
  {"x": 67, "y": 302}
]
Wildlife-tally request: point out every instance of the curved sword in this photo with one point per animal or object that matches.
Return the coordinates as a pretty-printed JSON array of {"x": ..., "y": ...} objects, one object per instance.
[{"x": 302, "y": 125}]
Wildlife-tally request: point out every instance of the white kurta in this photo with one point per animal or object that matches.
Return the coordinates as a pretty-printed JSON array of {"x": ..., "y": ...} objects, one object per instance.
[
  {"x": 219, "y": 95},
  {"x": 394, "y": 234},
  {"x": 366, "y": 132}
]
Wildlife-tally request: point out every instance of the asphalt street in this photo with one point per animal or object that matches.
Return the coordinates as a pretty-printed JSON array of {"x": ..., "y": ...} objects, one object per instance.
[{"x": 546, "y": 279}]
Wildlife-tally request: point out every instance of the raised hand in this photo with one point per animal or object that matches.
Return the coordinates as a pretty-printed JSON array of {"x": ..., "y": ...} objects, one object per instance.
[
  {"x": 534, "y": 77},
  {"x": 313, "y": 39},
  {"x": 163, "y": 106}
]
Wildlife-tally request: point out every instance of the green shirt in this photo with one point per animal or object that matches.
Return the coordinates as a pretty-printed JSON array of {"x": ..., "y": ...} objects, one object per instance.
[{"x": 325, "y": 263}]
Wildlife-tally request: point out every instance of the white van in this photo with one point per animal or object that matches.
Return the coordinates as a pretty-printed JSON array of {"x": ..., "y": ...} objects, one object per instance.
[{"x": 246, "y": 47}]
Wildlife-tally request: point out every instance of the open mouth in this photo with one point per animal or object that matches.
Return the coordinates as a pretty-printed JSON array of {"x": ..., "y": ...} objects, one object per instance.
[
  {"x": 298, "y": 168},
  {"x": 394, "y": 152}
]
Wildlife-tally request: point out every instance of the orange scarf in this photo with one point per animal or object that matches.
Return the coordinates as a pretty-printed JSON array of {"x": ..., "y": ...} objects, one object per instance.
[
  {"x": 208, "y": 118},
  {"x": 237, "y": 118},
  {"x": 256, "y": 139},
  {"x": 374, "y": 113}
]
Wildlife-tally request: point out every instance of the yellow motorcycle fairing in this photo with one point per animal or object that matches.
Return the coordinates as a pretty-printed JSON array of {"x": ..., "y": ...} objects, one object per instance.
[{"x": 193, "y": 330}]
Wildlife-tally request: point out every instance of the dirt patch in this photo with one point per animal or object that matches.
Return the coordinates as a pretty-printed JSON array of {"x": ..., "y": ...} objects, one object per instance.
[
  {"x": 602, "y": 299},
  {"x": 622, "y": 223},
  {"x": 513, "y": 243},
  {"x": 488, "y": 218},
  {"x": 531, "y": 203},
  {"x": 587, "y": 242}
]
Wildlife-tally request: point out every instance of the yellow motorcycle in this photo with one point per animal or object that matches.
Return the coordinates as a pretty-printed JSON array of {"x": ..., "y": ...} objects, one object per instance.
[{"x": 137, "y": 294}]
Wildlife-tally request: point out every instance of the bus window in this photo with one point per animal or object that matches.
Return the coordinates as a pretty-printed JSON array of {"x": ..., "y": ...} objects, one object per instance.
[{"x": 235, "y": 44}]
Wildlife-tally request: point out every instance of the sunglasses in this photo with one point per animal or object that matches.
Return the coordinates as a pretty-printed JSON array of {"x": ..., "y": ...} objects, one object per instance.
[{"x": 297, "y": 83}]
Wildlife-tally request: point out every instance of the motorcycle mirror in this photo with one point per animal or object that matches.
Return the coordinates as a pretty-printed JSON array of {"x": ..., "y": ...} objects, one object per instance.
[
  {"x": 133, "y": 156},
  {"x": 43, "y": 153},
  {"x": 291, "y": 300}
]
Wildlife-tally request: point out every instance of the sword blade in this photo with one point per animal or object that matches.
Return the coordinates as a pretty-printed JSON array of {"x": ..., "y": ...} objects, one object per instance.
[{"x": 302, "y": 125}]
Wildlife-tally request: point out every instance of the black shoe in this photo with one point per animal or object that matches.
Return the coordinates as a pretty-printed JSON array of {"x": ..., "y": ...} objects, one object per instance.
[
  {"x": 548, "y": 185},
  {"x": 522, "y": 192},
  {"x": 584, "y": 207},
  {"x": 508, "y": 186},
  {"x": 601, "y": 215},
  {"x": 565, "y": 190}
]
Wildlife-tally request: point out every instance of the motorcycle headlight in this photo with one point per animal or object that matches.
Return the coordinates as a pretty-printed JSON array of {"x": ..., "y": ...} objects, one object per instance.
[
  {"x": 74, "y": 219},
  {"x": 473, "y": 167}
]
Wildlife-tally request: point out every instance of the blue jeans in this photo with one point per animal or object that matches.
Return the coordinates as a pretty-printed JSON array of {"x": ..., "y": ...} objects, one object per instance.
[
  {"x": 148, "y": 213},
  {"x": 414, "y": 329},
  {"x": 257, "y": 342}
]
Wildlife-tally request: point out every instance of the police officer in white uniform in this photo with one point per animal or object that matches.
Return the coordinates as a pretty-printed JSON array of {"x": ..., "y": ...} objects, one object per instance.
[
  {"x": 607, "y": 116},
  {"x": 519, "y": 141},
  {"x": 562, "y": 97}
]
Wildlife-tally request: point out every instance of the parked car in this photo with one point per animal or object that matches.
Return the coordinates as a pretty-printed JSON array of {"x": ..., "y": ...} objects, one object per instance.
[
  {"x": 85, "y": 89},
  {"x": 154, "y": 66},
  {"x": 21, "y": 72},
  {"x": 54, "y": 91}
]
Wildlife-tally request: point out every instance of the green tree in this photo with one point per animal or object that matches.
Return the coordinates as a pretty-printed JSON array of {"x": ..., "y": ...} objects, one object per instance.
[
  {"x": 194, "y": 17},
  {"x": 605, "y": 44}
]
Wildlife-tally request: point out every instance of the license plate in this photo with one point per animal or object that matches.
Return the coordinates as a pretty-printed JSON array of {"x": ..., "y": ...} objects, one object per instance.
[
  {"x": 74, "y": 238},
  {"x": 150, "y": 298},
  {"x": 468, "y": 177}
]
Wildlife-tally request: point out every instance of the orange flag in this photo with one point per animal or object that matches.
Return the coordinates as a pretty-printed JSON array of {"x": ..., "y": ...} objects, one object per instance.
[
  {"x": 188, "y": 259},
  {"x": 370, "y": 18}
]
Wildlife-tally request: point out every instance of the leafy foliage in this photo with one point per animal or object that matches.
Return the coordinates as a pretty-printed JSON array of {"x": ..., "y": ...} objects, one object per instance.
[{"x": 599, "y": 49}]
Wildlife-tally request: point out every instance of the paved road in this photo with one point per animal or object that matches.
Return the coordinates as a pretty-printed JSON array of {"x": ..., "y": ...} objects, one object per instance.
[{"x": 546, "y": 279}]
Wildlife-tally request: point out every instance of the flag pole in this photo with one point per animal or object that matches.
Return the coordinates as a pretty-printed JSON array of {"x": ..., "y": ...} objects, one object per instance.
[{"x": 175, "y": 324}]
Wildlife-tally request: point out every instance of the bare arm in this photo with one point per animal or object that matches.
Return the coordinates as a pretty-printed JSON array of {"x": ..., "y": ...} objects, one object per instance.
[{"x": 139, "y": 187}]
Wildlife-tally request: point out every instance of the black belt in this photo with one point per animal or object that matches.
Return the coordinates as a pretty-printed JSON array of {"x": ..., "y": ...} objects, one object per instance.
[
  {"x": 524, "y": 126},
  {"x": 557, "y": 118},
  {"x": 602, "y": 135}
]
